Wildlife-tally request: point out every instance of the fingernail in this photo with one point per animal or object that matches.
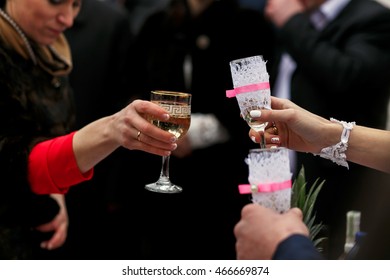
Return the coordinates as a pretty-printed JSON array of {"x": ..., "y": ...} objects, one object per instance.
[
  {"x": 275, "y": 140},
  {"x": 174, "y": 146},
  {"x": 165, "y": 117},
  {"x": 253, "y": 139},
  {"x": 173, "y": 139},
  {"x": 255, "y": 113}
]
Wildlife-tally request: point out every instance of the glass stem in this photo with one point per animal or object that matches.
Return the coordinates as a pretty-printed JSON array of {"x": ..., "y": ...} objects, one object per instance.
[
  {"x": 164, "y": 175},
  {"x": 262, "y": 139}
]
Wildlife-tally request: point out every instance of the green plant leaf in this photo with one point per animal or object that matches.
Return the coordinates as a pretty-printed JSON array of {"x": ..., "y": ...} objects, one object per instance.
[{"x": 305, "y": 199}]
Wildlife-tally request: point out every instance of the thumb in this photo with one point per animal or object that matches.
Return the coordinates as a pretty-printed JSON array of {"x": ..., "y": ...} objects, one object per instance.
[{"x": 296, "y": 212}]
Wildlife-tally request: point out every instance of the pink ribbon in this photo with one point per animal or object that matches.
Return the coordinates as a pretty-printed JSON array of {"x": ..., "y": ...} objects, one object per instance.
[
  {"x": 268, "y": 187},
  {"x": 247, "y": 88}
]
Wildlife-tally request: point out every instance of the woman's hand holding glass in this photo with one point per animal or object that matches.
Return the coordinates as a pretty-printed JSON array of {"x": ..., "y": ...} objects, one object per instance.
[
  {"x": 295, "y": 128},
  {"x": 144, "y": 135},
  {"x": 303, "y": 131},
  {"x": 128, "y": 128}
]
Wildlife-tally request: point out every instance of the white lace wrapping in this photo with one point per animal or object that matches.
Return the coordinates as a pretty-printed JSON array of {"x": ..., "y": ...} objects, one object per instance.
[
  {"x": 280, "y": 200},
  {"x": 336, "y": 153},
  {"x": 270, "y": 166},
  {"x": 248, "y": 71}
]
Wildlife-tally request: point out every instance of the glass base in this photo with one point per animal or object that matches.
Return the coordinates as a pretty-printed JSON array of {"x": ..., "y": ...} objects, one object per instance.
[{"x": 163, "y": 188}]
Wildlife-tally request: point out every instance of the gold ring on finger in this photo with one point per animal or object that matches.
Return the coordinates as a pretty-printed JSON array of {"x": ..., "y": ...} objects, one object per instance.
[
  {"x": 275, "y": 130},
  {"x": 139, "y": 135}
]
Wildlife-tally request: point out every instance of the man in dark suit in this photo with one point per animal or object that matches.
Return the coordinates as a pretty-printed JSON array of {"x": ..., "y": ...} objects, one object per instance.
[
  {"x": 99, "y": 39},
  {"x": 339, "y": 60}
]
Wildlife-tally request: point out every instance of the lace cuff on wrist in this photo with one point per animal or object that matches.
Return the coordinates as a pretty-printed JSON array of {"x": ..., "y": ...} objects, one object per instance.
[
  {"x": 336, "y": 153},
  {"x": 206, "y": 130}
]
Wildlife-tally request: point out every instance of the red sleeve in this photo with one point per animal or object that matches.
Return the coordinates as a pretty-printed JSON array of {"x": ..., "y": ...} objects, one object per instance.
[{"x": 52, "y": 166}]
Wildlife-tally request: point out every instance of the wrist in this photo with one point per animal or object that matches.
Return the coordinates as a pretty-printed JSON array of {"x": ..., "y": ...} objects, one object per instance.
[
  {"x": 336, "y": 152},
  {"x": 333, "y": 134}
]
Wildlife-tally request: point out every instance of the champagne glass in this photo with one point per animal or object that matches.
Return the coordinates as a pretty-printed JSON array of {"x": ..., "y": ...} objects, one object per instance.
[
  {"x": 252, "y": 90},
  {"x": 178, "y": 105},
  {"x": 269, "y": 178}
]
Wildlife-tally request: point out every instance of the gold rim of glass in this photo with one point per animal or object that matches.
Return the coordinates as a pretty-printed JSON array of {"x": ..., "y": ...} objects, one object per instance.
[{"x": 174, "y": 93}]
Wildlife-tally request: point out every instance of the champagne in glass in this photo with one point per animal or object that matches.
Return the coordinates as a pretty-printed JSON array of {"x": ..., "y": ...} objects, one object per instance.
[
  {"x": 251, "y": 88},
  {"x": 178, "y": 126},
  {"x": 178, "y": 105}
]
